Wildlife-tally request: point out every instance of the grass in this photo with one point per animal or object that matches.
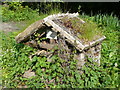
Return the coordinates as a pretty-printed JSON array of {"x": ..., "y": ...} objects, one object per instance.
[
  {"x": 86, "y": 32},
  {"x": 90, "y": 32},
  {"x": 54, "y": 11},
  {"x": 14, "y": 62},
  {"x": 29, "y": 22}
]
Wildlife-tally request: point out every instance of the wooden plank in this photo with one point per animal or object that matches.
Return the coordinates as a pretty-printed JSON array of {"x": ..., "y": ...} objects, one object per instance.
[
  {"x": 47, "y": 46},
  {"x": 63, "y": 33},
  {"x": 71, "y": 39},
  {"x": 48, "y": 24},
  {"x": 94, "y": 42},
  {"x": 23, "y": 36},
  {"x": 59, "y": 15}
]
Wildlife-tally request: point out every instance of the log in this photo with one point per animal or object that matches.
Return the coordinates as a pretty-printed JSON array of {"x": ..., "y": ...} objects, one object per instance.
[
  {"x": 94, "y": 42},
  {"x": 25, "y": 35},
  {"x": 47, "y": 46}
]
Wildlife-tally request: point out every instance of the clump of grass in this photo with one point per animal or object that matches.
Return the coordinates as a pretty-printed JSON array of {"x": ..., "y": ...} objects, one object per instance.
[
  {"x": 54, "y": 11},
  {"x": 88, "y": 31}
]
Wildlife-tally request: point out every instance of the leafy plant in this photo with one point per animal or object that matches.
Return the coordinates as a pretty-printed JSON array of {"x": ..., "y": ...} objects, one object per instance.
[
  {"x": 61, "y": 73},
  {"x": 14, "y": 11}
]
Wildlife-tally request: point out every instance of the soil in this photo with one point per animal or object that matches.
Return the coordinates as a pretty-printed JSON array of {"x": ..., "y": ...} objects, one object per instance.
[{"x": 11, "y": 26}]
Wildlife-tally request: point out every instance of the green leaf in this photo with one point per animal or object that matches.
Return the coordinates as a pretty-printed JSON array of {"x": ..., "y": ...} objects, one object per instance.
[{"x": 34, "y": 59}]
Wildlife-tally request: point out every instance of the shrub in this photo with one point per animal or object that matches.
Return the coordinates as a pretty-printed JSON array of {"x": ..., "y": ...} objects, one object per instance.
[{"x": 14, "y": 11}]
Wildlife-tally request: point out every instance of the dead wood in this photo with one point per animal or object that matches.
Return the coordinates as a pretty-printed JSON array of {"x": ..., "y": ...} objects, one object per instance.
[
  {"x": 47, "y": 46},
  {"x": 69, "y": 37},
  {"x": 29, "y": 74},
  {"x": 25, "y": 35},
  {"x": 50, "y": 32},
  {"x": 32, "y": 43}
]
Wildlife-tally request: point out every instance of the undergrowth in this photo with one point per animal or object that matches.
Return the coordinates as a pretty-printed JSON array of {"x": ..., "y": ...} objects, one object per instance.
[
  {"x": 15, "y": 61},
  {"x": 15, "y": 11},
  {"x": 14, "y": 58}
]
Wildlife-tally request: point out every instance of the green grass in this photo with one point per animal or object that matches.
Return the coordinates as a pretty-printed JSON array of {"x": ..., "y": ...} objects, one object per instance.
[
  {"x": 15, "y": 61},
  {"x": 90, "y": 31},
  {"x": 54, "y": 11},
  {"x": 29, "y": 22},
  {"x": 86, "y": 32}
]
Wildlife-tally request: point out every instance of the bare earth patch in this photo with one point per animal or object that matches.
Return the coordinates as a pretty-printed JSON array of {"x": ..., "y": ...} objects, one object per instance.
[{"x": 11, "y": 26}]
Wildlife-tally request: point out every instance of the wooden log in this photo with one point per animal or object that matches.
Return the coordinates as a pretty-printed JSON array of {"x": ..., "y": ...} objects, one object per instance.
[
  {"x": 47, "y": 46},
  {"x": 23, "y": 36},
  {"x": 81, "y": 59},
  {"x": 32, "y": 43},
  {"x": 94, "y": 42}
]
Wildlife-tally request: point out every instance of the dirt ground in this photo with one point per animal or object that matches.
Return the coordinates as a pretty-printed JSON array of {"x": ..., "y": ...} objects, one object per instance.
[{"x": 11, "y": 26}]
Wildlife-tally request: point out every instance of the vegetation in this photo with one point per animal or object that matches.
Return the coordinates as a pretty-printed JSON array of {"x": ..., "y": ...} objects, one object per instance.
[
  {"x": 14, "y": 60},
  {"x": 87, "y": 31},
  {"x": 15, "y": 11}
]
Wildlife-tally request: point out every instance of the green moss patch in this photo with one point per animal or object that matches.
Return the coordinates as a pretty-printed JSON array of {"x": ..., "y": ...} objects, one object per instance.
[{"x": 86, "y": 32}]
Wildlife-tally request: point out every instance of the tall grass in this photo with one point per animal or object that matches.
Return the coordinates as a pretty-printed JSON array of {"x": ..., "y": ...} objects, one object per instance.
[{"x": 104, "y": 20}]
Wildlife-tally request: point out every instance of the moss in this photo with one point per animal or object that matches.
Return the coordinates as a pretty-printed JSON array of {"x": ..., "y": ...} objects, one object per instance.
[
  {"x": 90, "y": 31},
  {"x": 86, "y": 32}
]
